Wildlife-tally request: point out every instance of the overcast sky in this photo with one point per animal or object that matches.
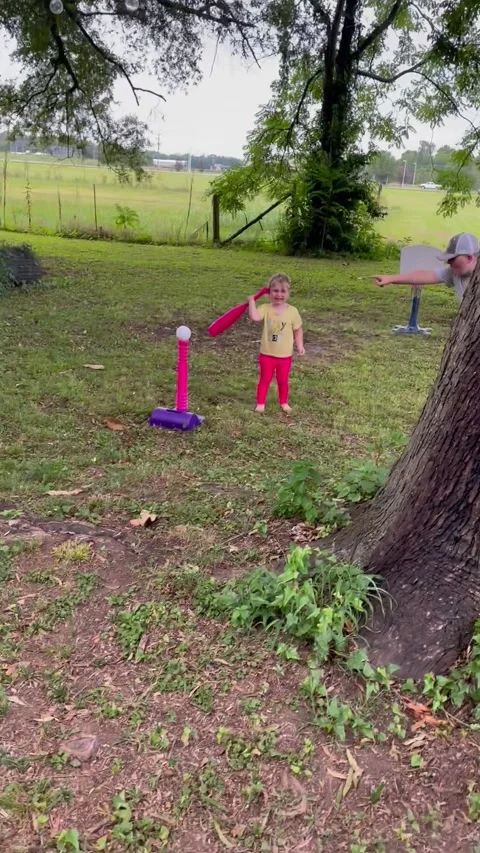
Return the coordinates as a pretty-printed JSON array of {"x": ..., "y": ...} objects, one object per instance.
[{"x": 215, "y": 116}]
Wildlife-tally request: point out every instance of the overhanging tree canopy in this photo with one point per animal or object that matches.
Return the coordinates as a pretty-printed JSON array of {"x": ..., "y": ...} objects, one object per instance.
[
  {"x": 69, "y": 62},
  {"x": 342, "y": 63}
]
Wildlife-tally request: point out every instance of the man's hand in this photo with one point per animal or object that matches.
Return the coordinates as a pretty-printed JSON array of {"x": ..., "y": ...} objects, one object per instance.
[{"x": 381, "y": 280}]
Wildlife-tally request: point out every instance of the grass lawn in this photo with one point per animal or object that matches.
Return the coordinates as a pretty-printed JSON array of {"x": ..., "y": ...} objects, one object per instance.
[{"x": 200, "y": 738}]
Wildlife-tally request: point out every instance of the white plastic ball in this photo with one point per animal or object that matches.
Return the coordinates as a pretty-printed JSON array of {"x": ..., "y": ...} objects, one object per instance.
[
  {"x": 56, "y": 6},
  {"x": 183, "y": 333},
  {"x": 132, "y": 5}
]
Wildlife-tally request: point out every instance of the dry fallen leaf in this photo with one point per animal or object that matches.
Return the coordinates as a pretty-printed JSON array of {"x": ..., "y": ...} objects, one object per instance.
[
  {"x": 111, "y": 423},
  {"x": 336, "y": 774},
  {"x": 417, "y": 708},
  {"x": 223, "y": 838},
  {"x": 146, "y": 519},
  {"x": 424, "y": 716},
  {"x": 16, "y": 701},
  {"x": 428, "y": 720},
  {"x": 415, "y": 742},
  {"x": 354, "y": 775},
  {"x": 95, "y": 366},
  {"x": 47, "y": 718},
  {"x": 64, "y": 494}
]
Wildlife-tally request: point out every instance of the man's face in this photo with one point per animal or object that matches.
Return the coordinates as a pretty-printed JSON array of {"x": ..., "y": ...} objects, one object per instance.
[{"x": 463, "y": 264}]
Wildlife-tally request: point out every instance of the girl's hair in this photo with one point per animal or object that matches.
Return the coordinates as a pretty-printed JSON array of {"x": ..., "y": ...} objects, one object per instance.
[{"x": 279, "y": 278}]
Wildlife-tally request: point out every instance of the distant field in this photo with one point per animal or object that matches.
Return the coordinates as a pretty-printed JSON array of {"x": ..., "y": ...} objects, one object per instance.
[{"x": 62, "y": 197}]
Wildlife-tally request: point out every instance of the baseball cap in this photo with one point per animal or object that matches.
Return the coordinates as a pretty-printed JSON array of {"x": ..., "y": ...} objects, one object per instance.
[{"x": 461, "y": 244}]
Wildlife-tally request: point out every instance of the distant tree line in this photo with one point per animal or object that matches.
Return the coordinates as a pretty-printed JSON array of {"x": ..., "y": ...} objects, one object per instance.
[
  {"x": 90, "y": 151},
  {"x": 430, "y": 163}
]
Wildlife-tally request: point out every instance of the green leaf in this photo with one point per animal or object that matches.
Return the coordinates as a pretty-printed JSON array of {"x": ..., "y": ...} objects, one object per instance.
[
  {"x": 416, "y": 761},
  {"x": 376, "y": 793},
  {"x": 68, "y": 841}
]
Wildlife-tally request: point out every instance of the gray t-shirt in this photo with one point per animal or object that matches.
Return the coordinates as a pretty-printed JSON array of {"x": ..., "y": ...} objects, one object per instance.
[{"x": 458, "y": 282}]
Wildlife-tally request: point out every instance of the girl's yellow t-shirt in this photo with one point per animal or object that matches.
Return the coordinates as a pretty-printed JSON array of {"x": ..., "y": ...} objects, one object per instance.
[{"x": 278, "y": 329}]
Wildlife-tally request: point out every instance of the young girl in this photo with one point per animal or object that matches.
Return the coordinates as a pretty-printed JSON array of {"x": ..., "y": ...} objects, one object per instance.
[{"x": 282, "y": 325}]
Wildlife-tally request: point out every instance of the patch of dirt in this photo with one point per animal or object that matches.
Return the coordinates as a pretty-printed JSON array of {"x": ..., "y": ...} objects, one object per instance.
[
  {"x": 204, "y": 730},
  {"x": 325, "y": 344}
]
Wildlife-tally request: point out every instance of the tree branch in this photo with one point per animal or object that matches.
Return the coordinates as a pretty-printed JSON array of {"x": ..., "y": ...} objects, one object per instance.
[
  {"x": 332, "y": 41},
  {"x": 379, "y": 78},
  {"x": 111, "y": 59},
  {"x": 446, "y": 94},
  {"x": 254, "y": 221},
  {"x": 337, "y": 19},
  {"x": 203, "y": 12},
  {"x": 62, "y": 56},
  {"x": 300, "y": 104},
  {"x": 378, "y": 30},
  {"x": 323, "y": 15},
  {"x": 38, "y": 92}
]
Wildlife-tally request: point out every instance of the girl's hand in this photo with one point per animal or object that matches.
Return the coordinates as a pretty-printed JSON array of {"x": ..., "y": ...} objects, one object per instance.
[
  {"x": 301, "y": 350},
  {"x": 381, "y": 280}
]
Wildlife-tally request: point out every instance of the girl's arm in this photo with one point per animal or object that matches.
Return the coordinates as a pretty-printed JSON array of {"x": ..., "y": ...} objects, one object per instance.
[
  {"x": 298, "y": 335},
  {"x": 253, "y": 313}
]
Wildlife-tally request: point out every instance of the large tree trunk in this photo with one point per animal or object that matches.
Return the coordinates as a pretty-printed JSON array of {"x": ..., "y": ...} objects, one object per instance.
[
  {"x": 335, "y": 125},
  {"x": 422, "y": 531}
]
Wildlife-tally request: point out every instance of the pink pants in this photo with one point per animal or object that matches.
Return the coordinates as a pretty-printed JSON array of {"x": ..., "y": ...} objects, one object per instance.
[{"x": 270, "y": 364}]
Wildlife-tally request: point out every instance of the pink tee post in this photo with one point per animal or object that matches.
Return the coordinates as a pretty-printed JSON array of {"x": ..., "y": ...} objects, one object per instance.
[
  {"x": 179, "y": 418},
  {"x": 183, "y": 336},
  {"x": 181, "y": 404}
]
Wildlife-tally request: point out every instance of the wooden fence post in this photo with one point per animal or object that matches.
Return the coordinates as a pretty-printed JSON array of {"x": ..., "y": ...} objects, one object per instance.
[
  {"x": 95, "y": 207},
  {"x": 216, "y": 218}
]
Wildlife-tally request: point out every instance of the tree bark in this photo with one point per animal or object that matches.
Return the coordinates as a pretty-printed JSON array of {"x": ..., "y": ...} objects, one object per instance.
[
  {"x": 422, "y": 531},
  {"x": 334, "y": 117}
]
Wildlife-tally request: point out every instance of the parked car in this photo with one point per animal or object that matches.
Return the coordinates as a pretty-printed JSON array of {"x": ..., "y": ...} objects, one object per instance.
[{"x": 430, "y": 186}]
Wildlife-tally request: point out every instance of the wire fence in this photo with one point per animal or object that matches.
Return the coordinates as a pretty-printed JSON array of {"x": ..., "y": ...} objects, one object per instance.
[{"x": 84, "y": 199}]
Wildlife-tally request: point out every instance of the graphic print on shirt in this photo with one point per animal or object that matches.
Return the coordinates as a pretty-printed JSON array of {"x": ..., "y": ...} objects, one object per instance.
[{"x": 275, "y": 329}]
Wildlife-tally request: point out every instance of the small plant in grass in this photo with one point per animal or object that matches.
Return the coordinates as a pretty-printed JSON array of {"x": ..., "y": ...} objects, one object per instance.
[
  {"x": 303, "y": 494},
  {"x": 73, "y": 552},
  {"x": 315, "y": 598},
  {"x": 300, "y": 494},
  {"x": 3, "y": 703},
  {"x": 203, "y": 699},
  {"x": 62, "y": 607},
  {"x": 158, "y": 738},
  {"x": 132, "y": 624},
  {"x": 126, "y": 217},
  {"x": 68, "y": 841},
  {"x": 473, "y": 802},
  {"x": 57, "y": 689},
  {"x": 135, "y": 833},
  {"x": 5, "y": 562},
  {"x": 37, "y": 798},
  {"x": 40, "y": 576},
  {"x": 460, "y": 685},
  {"x": 243, "y": 752},
  {"x": 331, "y": 715}
]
